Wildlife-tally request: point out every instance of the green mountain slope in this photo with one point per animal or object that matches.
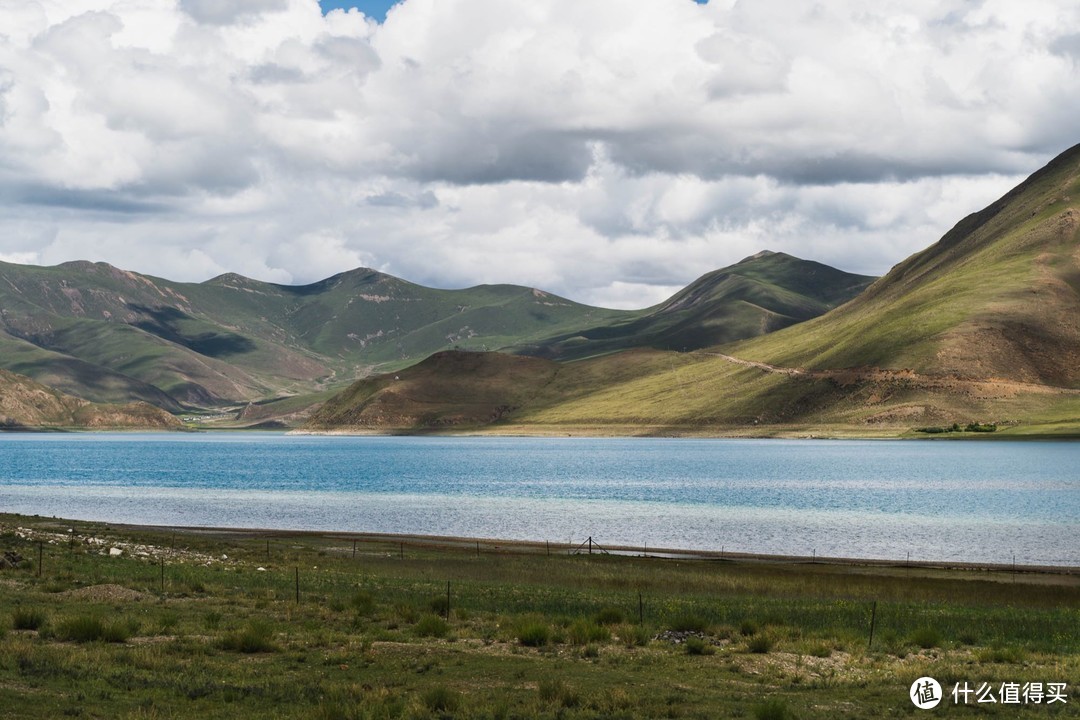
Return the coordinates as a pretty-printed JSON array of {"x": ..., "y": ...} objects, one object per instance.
[
  {"x": 982, "y": 327},
  {"x": 110, "y": 335},
  {"x": 761, "y": 294},
  {"x": 25, "y": 404},
  {"x": 997, "y": 297}
]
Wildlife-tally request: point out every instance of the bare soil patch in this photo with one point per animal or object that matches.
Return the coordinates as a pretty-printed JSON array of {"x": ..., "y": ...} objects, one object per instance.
[{"x": 106, "y": 593}]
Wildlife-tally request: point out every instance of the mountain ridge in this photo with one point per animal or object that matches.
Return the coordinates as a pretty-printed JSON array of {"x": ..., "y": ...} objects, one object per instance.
[
  {"x": 980, "y": 329},
  {"x": 759, "y": 294},
  {"x": 997, "y": 296},
  {"x": 112, "y": 335}
]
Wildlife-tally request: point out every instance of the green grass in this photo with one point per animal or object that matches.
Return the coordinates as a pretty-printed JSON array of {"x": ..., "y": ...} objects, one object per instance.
[
  {"x": 363, "y": 602},
  {"x": 256, "y": 637},
  {"x": 225, "y": 640},
  {"x": 609, "y": 616},
  {"x": 760, "y": 644},
  {"x": 89, "y": 628},
  {"x": 688, "y": 622},
  {"x": 432, "y": 626},
  {"x": 442, "y": 699},
  {"x": 26, "y": 618},
  {"x": 556, "y": 691},
  {"x": 926, "y": 638},
  {"x": 583, "y": 632},
  {"x": 697, "y": 646},
  {"x": 771, "y": 709},
  {"x": 533, "y": 633}
]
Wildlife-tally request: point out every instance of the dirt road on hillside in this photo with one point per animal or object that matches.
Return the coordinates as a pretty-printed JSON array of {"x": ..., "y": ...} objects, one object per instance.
[{"x": 981, "y": 387}]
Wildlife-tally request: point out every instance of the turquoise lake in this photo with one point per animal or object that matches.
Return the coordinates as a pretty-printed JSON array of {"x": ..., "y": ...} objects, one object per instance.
[{"x": 972, "y": 501}]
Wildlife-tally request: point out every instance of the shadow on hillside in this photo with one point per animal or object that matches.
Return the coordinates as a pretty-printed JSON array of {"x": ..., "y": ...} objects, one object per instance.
[{"x": 165, "y": 323}]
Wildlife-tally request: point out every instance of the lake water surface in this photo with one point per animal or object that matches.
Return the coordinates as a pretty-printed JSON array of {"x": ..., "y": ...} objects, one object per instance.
[{"x": 962, "y": 501}]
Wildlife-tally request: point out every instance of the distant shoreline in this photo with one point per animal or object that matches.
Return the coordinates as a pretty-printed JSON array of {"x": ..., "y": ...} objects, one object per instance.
[
  {"x": 787, "y": 433},
  {"x": 656, "y": 432}
]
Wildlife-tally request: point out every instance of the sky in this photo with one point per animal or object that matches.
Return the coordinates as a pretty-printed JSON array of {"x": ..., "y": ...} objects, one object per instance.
[
  {"x": 610, "y": 151},
  {"x": 374, "y": 9}
]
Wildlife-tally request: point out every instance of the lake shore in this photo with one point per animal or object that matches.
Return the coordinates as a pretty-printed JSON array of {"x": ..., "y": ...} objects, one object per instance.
[
  {"x": 1065, "y": 432},
  {"x": 410, "y": 541},
  {"x": 792, "y": 432}
]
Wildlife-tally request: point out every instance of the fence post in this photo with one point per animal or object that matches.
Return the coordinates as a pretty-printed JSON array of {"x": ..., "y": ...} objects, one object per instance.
[
  {"x": 590, "y": 544},
  {"x": 873, "y": 620},
  {"x": 447, "y": 601},
  {"x": 297, "y": 584},
  {"x": 354, "y": 549}
]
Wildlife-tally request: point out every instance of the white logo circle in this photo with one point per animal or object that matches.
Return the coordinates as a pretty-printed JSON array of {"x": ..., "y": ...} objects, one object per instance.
[{"x": 926, "y": 693}]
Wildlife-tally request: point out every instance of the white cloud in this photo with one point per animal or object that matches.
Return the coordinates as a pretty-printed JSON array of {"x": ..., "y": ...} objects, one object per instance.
[
  {"x": 22, "y": 258},
  {"x": 226, "y": 12},
  {"x": 604, "y": 150}
]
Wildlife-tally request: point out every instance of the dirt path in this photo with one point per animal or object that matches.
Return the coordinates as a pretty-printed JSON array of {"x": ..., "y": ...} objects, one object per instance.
[{"x": 988, "y": 387}]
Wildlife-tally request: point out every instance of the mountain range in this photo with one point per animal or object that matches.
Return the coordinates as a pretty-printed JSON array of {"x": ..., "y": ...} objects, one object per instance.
[
  {"x": 113, "y": 336},
  {"x": 981, "y": 329}
]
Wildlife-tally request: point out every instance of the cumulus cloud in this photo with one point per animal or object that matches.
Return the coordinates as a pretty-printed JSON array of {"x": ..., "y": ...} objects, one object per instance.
[
  {"x": 391, "y": 199},
  {"x": 226, "y": 12},
  {"x": 607, "y": 151}
]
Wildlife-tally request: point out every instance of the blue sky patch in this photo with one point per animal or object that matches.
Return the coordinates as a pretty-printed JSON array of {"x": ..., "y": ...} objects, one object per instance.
[
  {"x": 377, "y": 8},
  {"x": 372, "y": 8}
]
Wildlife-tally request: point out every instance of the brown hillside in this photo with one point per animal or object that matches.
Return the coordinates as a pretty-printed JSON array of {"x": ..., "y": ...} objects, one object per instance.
[
  {"x": 448, "y": 389},
  {"x": 27, "y": 404}
]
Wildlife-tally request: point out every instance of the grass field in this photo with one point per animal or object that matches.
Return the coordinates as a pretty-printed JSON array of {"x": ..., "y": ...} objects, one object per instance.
[{"x": 236, "y": 625}]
